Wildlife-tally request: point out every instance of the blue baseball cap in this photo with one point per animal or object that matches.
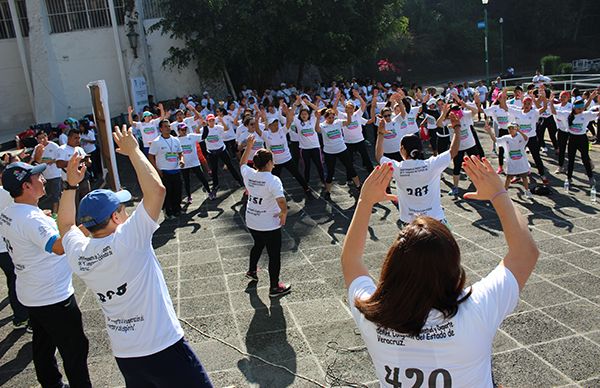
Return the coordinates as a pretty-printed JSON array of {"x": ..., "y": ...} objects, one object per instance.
[
  {"x": 16, "y": 173},
  {"x": 98, "y": 205}
]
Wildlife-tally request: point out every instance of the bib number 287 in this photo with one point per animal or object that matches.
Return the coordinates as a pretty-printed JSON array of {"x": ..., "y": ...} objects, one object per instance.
[
  {"x": 417, "y": 191},
  {"x": 392, "y": 377}
]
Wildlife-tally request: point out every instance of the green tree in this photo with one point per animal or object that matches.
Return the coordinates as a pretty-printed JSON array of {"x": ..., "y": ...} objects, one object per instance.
[{"x": 252, "y": 39}]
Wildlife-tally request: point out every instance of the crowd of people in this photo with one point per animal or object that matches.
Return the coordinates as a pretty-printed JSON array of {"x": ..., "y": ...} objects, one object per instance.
[{"x": 414, "y": 135}]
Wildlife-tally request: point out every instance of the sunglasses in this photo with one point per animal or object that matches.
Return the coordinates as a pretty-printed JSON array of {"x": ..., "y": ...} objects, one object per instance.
[{"x": 387, "y": 116}]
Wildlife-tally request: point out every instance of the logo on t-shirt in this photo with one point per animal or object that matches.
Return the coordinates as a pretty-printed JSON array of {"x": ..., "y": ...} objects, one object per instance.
[
  {"x": 353, "y": 125},
  {"x": 212, "y": 138},
  {"x": 277, "y": 149},
  {"x": 515, "y": 155},
  {"x": 464, "y": 133},
  {"x": 187, "y": 149},
  {"x": 334, "y": 134},
  {"x": 171, "y": 157},
  {"x": 525, "y": 127},
  {"x": 258, "y": 145},
  {"x": 502, "y": 120},
  {"x": 576, "y": 128},
  {"x": 390, "y": 135},
  {"x": 149, "y": 130}
]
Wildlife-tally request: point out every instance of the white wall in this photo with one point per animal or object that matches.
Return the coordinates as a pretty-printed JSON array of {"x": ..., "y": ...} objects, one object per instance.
[
  {"x": 85, "y": 56},
  {"x": 15, "y": 107}
]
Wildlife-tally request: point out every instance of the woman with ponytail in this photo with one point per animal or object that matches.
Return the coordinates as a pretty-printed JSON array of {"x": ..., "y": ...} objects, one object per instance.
[
  {"x": 578, "y": 121},
  {"x": 418, "y": 179}
]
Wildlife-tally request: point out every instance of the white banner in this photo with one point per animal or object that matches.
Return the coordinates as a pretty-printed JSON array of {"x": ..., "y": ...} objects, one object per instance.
[{"x": 139, "y": 93}]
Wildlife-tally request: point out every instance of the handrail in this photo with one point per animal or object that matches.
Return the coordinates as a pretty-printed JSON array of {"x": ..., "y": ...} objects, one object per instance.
[{"x": 567, "y": 81}]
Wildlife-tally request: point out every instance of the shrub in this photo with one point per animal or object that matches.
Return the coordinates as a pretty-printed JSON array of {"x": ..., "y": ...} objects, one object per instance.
[{"x": 550, "y": 64}]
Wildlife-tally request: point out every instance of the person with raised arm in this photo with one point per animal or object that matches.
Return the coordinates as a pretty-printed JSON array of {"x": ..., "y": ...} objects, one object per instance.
[
  {"x": 419, "y": 320},
  {"x": 418, "y": 179},
  {"x": 113, "y": 255},
  {"x": 148, "y": 127},
  {"x": 266, "y": 212}
]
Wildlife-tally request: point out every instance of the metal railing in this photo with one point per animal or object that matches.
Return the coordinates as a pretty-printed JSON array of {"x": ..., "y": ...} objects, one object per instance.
[
  {"x": 559, "y": 81},
  {"x": 73, "y": 15},
  {"x": 153, "y": 9},
  {"x": 7, "y": 30}
]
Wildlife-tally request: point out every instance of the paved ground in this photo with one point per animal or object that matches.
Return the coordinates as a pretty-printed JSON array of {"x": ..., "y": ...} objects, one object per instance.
[{"x": 552, "y": 339}]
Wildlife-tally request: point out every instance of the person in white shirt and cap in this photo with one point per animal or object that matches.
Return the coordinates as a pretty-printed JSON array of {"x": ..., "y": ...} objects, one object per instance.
[
  {"x": 44, "y": 279},
  {"x": 115, "y": 259}
]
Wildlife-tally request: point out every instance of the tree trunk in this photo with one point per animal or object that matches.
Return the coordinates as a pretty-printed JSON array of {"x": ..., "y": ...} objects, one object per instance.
[{"x": 228, "y": 82}]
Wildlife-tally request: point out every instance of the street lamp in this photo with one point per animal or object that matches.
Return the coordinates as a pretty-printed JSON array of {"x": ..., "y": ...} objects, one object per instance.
[
  {"x": 485, "y": 21},
  {"x": 501, "y": 21}
]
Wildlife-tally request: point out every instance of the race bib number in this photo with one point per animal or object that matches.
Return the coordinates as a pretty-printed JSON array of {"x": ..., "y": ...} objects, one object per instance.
[
  {"x": 417, "y": 191},
  {"x": 392, "y": 377},
  {"x": 255, "y": 200}
]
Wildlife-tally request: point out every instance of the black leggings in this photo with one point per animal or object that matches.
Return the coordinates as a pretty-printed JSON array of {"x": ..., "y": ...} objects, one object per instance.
[
  {"x": 534, "y": 149},
  {"x": 361, "y": 148},
  {"x": 172, "y": 183},
  {"x": 231, "y": 146},
  {"x": 458, "y": 159},
  {"x": 186, "y": 179},
  {"x": 292, "y": 167},
  {"x": 579, "y": 143},
  {"x": 272, "y": 240},
  {"x": 563, "y": 139},
  {"x": 344, "y": 157},
  {"x": 442, "y": 143},
  {"x": 314, "y": 155},
  {"x": 477, "y": 142},
  {"x": 501, "y": 132},
  {"x": 550, "y": 124},
  {"x": 295, "y": 149},
  {"x": 213, "y": 162}
]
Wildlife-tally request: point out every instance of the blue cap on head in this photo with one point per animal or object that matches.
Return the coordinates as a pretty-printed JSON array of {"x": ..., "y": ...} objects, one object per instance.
[
  {"x": 16, "y": 173},
  {"x": 579, "y": 104},
  {"x": 98, "y": 205}
]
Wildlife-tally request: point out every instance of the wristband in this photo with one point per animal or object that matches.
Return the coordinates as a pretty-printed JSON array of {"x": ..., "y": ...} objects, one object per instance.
[
  {"x": 497, "y": 194},
  {"x": 67, "y": 186}
]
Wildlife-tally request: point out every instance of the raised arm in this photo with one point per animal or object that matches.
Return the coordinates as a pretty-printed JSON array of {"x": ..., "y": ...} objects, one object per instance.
[
  {"x": 318, "y": 121},
  {"x": 163, "y": 114},
  {"x": 246, "y": 154},
  {"x": 522, "y": 251},
  {"x": 148, "y": 178},
  {"x": 130, "y": 115},
  {"x": 455, "y": 144},
  {"x": 379, "y": 143},
  {"x": 363, "y": 103},
  {"x": 197, "y": 116},
  {"x": 66, "y": 208},
  {"x": 440, "y": 120},
  {"x": 354, "y": 244}
]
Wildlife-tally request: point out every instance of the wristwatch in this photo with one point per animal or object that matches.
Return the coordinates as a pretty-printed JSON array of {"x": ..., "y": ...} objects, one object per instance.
[{"x": 67, "y": 186}]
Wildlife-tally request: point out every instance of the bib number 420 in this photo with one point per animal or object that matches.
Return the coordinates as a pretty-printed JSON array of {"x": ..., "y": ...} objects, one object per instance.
[{"x": 392, "y": 377}]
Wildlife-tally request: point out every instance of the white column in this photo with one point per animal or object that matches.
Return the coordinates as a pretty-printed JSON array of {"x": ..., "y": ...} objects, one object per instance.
[
  {"x": 21, "y": 46},
  {"x": 49, "y": 99},
  {"x": 115, "y": 28}
]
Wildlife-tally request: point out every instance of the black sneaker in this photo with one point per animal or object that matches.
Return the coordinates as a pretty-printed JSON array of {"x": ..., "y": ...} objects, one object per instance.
[
  {"x": 281, "y": 290},
  {"x": 252, "y": 275},
  {"x": 327, "y": 195}
]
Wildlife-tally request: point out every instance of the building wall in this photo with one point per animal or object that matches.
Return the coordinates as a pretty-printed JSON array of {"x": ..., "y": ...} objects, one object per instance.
[
  {"x": 89, "y": 55},
  {"x": 15, "y": 107}
]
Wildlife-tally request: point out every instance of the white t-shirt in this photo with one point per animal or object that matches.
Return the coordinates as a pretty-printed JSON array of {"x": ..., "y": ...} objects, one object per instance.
[
  {"x": 500, "y": 116},
  {"x": 515, "y": 157},
  {"x": 397, "y": 128},
  {"x": 51, "y": 152},
  {"x": 457, "y": 350},
  {"x": 125, "y": 277},
  {"x": 148, "y": 130},
  {"x": 43, "y": 278},
  {"x": 562, "y": 116},
  {"x": 333, "y": 139},
  {"x": 62, "y": 139},
  {"x": 189, "y": 121},
  {"x": 262, "y": 210},
  {"x": 483, "y": 91},
  {"x": 527, "y": 121},
  {"x": 166, "y": 152},
  {"x": 65, "y": 153},
  {"x": 5, "y": 201},
  {"x": 277, "y": 143},
  {"x": 90, "y": 136},
  {"x": 259, "y": 142},
  {"x": 418, "y": 185},
  {"x": 431, "y": 121},
  {"x": 517, "y": 103},
  {"x": 411, "y": 120},
  {"x": 188, "y": 147},
  {"x": 353, "y": 131},
  {"x": 309, "y": 138},
  {"x": 230, "y": 133},
  {"x": 581, "y": 121},
  {"x": 214, "y": 139},
  {"x": 466, "y": 136}
]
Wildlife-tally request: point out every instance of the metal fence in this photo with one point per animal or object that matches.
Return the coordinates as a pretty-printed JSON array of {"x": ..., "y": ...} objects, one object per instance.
[
  {"x": 73, "y": 15},
  {"x": 7, "y": 30},
  {"x": 153, "y": 9}
]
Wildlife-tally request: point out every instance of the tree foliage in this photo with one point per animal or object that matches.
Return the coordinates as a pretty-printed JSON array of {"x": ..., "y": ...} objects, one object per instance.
[{"x": 254, "y": 39}]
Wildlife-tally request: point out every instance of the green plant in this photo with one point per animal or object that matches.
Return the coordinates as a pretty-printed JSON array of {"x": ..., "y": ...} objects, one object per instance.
[
  {"x": 550, "y": 64},
  {"x": 565, "y": 68}
]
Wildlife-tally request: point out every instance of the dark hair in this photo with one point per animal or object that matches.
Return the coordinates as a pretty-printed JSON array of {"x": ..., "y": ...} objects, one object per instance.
[
  {"x": 17, "y": 192},
  {"x": 162, "y": 122},
  {"x": 247, "y": 119},
  {"x": 421, "y": 272},
  {"x": 73, "y": 132},
  {"x": 406, "y": 103},
  {"x": 413, "y": 147},
  {"x": 386, "y": 109},
  {"x": 261, "y": 158},
  {"x": 303, "y": 109},
  {"x": 41, "y": 132},
  {"x": 518, "y": 88}
]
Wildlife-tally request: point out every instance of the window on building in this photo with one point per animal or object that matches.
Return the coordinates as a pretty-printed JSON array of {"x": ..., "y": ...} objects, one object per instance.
[
  {"x": 73, "y": 15},
  {"x": 7, "y": 30}
]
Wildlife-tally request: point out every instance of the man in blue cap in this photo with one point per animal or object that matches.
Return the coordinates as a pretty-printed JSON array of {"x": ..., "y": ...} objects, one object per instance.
[
  {"x": 118, "y": 264},
  {"x": 44, "y": 277}
]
